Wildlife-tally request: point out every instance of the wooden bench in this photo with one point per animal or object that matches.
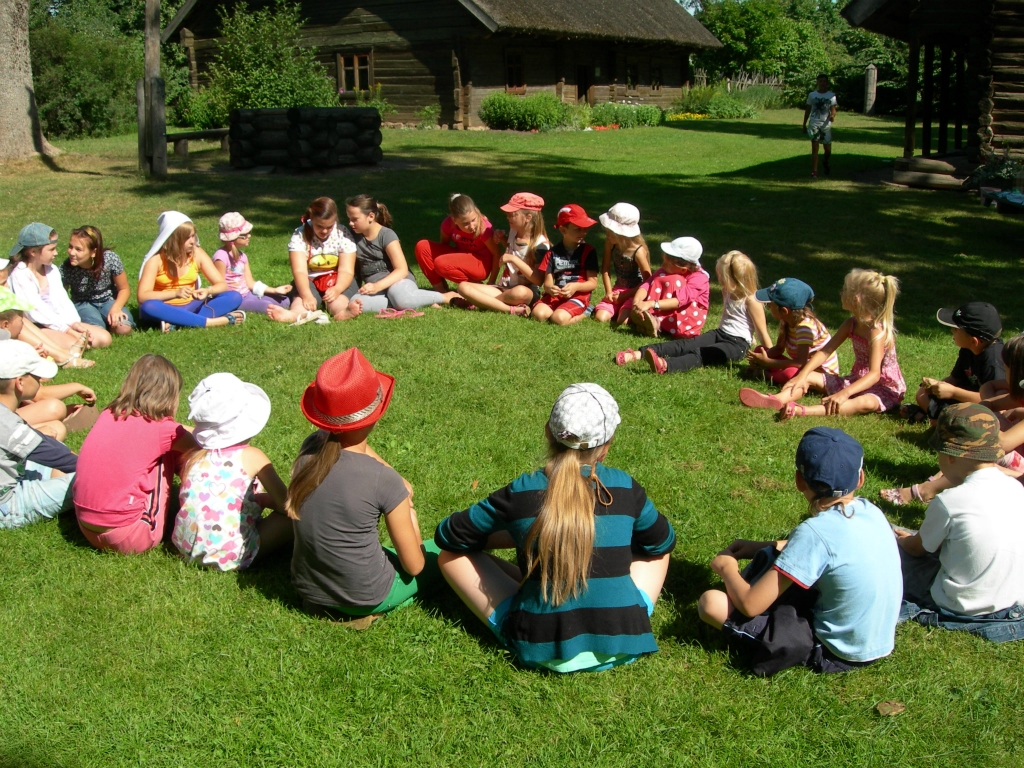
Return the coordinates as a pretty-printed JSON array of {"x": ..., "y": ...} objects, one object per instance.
[{"x": 181, "y": 140}]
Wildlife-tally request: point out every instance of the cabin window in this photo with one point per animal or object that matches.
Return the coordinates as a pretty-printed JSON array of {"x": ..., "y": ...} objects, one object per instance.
[
  {"x": 514, "y": 80},
  {"x": 632, "y": 76},
  {"x": 355, "y": 72},
  {"x": 655, "y": 78}
]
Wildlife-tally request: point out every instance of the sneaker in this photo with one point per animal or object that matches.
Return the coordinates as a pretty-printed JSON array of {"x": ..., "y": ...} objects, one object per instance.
[{"x": 825, "y": 167}]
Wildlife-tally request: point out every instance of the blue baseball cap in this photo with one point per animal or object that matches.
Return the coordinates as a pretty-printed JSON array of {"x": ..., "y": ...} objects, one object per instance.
[
  {"x": 31, "y": 236},
  {"x": 830, "y": 460},
  {"x": 787, "y": 292}
]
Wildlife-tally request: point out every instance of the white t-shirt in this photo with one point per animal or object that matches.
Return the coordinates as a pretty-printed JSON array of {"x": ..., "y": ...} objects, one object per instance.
[
  {"x": 821, "y": 108},
  {"x": 735, "y": 320},
  {"x": 510, "y": 276},
  {"x": 322, "y": 255},
  {"x": 980, "y": 527}
]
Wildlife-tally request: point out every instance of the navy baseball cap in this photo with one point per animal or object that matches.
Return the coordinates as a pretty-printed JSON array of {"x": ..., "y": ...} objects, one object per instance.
[
  {"x": 830, "y": 460},
  {"x": 978, "y": 318},
  {"x": 787, "y": 292}
]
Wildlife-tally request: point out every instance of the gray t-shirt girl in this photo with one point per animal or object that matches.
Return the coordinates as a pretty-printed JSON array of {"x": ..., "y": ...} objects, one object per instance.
[{"x": 372, "y": 262}]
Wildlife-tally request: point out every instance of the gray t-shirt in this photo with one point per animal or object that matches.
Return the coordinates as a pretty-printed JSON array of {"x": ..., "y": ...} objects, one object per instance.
[
  {"x": 371, "y": 255},
  {"x": 17, "y": 441},
  {"x": 337, "y": 559}
]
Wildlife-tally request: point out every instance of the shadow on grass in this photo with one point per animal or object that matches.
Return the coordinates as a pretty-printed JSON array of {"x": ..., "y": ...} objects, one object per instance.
[
  {"x": 273, "y": 579},
  {"x": 884, "y": 133}
]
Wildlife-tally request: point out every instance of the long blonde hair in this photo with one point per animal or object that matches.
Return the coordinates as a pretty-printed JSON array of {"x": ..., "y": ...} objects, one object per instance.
[
  {"x": 737, "y": 274},
  {"x": 538, "y": 234},
  {"x": 320, "y": 456},
  {"x": 560, "y": 543},
  {"x": 173, "y": 250},
  {"x": 877, "y": 297}
]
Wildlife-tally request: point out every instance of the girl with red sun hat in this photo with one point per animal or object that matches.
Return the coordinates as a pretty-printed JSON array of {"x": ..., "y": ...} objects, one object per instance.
[{"x": 340, "y": 489}]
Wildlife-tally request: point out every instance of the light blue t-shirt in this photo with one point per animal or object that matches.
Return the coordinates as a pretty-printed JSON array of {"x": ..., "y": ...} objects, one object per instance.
[{"x": 854, "y": 563}]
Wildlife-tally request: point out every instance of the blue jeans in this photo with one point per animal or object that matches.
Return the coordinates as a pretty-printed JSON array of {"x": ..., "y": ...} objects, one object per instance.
[
  {"x": 999, "y": 627},
  {"x": 37, "y": 496},
  {"x": 96, "y": 314}
]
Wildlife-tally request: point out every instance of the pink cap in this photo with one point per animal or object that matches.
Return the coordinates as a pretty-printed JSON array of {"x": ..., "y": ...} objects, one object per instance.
[
  {"x": 524, "y": 201},
  {"x": 233, "y": 225},
  {"x": 574, "y": 214}
]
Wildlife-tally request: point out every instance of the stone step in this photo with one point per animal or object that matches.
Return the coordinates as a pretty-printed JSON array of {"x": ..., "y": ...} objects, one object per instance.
[
  {"x": 926, "y": 180},
  {"x": 924, "y": 165}
]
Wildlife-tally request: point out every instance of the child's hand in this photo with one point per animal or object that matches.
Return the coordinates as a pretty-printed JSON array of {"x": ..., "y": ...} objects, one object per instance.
[
  {"x": 643, "y": 306},
  {"x": 369, "y": 289},
  {"x": 500, "y": 236},
  {"x": 281, "y": 290},
  {"x": 742, "y": 549},
  {"x": 115, "y": 318},
  {"x": 723, "y": 562},
  {"x": 834, "y": 402},
  {"x": 757, "y": 357},
  {"x": 507, "y": 257},
  {"x": 331, "y": 294},
  {"x": 88, "y": 395},
  {"x": 569, "y": 290},
  {"x": 183, "y": 293},
  {"x": 200, "y": 294},
  {"x": 309, "y": 304}
]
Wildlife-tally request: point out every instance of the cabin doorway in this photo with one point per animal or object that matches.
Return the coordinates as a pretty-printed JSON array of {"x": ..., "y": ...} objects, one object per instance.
[{"x": 584, "y": 79}]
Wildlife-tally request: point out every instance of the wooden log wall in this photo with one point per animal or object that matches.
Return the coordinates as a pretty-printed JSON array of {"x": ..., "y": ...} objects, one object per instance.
[
  {"x": 305, "y": 137},
  {"x": 1001, "y": 94}
]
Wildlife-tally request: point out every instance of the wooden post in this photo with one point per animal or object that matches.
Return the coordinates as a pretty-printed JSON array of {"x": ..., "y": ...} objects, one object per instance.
[
  {"x": 158, "y": 126},
  {"x": 927, "y": 97},
  {"x": 155, "y": 129},
  {"x": 141, "y": 110},
  {"x": 961, "y": 101},
  {"x": 870, "y": 88},
  {"x": 910, "y": 126},
  {"x": 944, "y": 76}
]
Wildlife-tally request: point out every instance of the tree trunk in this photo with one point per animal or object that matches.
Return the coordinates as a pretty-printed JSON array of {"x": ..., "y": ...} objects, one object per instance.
[{"x": 20, "y": 133}]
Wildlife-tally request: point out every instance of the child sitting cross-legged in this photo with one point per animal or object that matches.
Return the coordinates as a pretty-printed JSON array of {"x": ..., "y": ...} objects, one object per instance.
[
  {"x": 875, "y": 385},
  {"x": 592, "y": 552},
  {"x": 64, "y": 351},
  {"x": 828, "y": 597},
  {"x": 625, "y": 252},
  {"x": 129, "y": 459},
  {"x": 742, "y": 318},
  {"x": 36, "y": 471},
  {"x": 233, "y": 263},
  {"x": 674, "y": 302},
  {"x": 570, "y": 270},
  {"x": 801, "y": 333},
  {"x": 97, "y": 281},
  {"x": 220, "y": 523},
  {"x": 339, "y": 492},
  {"x": 979, "y": 363},
  {"x": 965, "y": 568}
]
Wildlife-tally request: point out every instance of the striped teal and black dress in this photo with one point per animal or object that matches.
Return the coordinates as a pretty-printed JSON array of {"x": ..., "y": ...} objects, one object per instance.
[{"x": 608, "y": 624}]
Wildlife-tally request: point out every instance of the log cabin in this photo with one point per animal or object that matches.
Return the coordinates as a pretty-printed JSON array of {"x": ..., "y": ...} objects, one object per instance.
[
  {"x": 970, "y": 55},
  {"x": 451, "y": 54}
]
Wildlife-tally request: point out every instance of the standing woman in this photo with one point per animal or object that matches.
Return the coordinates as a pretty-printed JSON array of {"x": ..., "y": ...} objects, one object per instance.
[
  {"x": 323, "y": 261},
  {"x": 168, "y": 285}
]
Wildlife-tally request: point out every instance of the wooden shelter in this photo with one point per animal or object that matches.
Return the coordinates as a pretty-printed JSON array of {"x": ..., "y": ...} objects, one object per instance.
[
  {"x": 977, "y": 48},
  {"x": 453, "y": 53}
]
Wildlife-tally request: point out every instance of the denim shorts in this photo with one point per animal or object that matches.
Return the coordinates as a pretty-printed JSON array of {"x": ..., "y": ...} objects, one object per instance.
[
  {"x": 37, "y": 496},
  {"x": 96, "y": 314},
  {"x": 1000, "y": 627}
]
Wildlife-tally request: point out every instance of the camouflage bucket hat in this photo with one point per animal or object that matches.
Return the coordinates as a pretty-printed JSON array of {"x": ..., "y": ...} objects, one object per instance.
[{"x": 968, "y": 431}]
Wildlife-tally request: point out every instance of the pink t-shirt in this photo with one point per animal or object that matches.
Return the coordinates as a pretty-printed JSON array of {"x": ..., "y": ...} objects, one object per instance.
[
  {"x": 120, "y": 468},
  {"x": 467, "y": 242}
]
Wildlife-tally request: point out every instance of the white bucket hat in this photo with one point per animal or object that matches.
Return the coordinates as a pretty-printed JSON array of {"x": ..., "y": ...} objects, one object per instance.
[
  {"x": 168, "y": 221},
  {"x": 584, "y": 416},
  {"x": 685, "y": 248},
  {"x": 622, "y": 219},
  {"x": 227, "y": 410}
]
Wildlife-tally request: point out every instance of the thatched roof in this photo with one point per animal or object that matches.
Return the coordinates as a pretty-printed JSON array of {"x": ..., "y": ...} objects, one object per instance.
[
  {"x": 656, "y": 21},
  {"x": 648, "y": 21}
]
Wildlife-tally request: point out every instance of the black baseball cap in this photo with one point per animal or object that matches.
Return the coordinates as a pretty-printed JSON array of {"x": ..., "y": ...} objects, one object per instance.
[{"x": 978, "y": 318}]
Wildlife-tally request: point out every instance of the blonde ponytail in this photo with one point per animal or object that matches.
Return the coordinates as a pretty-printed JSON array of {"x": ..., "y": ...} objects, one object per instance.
[
  {"x": 877, "y": 295},
  {"x": 560, "y": 543}
]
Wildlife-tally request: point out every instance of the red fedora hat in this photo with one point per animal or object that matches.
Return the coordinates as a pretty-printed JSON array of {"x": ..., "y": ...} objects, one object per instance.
[{"x": 348, "y": 393}]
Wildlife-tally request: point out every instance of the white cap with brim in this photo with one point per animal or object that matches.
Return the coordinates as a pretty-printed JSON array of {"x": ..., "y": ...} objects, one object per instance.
[
  {"x": 19, "y": 359},
  {"x": 685, "y": 248},
  {"x": 168, "y": 221},
  {"x": 227, "y": 411},
  {"x": 584, "y": 416}
]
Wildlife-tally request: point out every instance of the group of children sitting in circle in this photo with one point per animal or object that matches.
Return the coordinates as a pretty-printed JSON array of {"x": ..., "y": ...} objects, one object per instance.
[{"x": 591, "y": 550}]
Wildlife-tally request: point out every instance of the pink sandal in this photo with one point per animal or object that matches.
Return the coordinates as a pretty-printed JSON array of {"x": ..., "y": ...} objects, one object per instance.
[
  {"x": 520, "y": 310},
  {"x": 392, "y": 314},
  {"x": 627, "y": 356},
  {"x": 789, "y": 410},
  {"x": 754, "y": 399},
  {"x": 895, "y": 495},
  {"x": 658, "y": 364}
]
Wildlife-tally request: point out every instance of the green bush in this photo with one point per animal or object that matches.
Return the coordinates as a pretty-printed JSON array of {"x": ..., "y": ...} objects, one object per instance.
[
  {"x": 725, "y": 106},
  {"x": 761, "y": 97},
  {"x": 84, "y": 85},
  {"x": 542, "y": 111},
  {"x": 718, "y": 103},
  {"x": 260, "y": 65},
  {"x": 205, "y": 109},
  {"x": 626, "y": 115},
  {"x": 428, "y": 116},
  {"x": 696, "y": 100},
  {"x": 373, "y": 98}
]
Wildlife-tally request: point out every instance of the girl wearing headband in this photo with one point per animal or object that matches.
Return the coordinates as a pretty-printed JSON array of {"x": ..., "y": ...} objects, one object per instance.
[
  {"x": 592, "y": 551},
  {"x": 339, "y": 492}
]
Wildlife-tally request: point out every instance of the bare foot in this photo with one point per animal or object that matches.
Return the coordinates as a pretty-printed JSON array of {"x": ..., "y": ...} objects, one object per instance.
[
  {"x": 281, "y": 315},
  {"x": 448, "y": 296},
  {"x": 352, "y": 311}
]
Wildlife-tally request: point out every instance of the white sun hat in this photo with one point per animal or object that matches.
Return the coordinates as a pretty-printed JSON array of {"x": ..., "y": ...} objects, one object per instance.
[
  {"x": 168, "y": 221},
  {"x": 227, "y": 410},
  {"x": 584, "y": 416},
  {"x": 685, "y": 248},
  {"x": 622, "y": 219}
]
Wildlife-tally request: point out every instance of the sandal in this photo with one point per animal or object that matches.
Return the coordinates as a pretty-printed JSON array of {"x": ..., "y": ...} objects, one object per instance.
[
  {"x": 754, "y": 399},
  {"x": 895, "y": 495},
  {"x": 913, "y": 413},
  {"x": 789, "y": 410},
  {"x": 627, "y": 356},
  {"x": 658, "y": 364},
  {"x": 83, "y": 417},
  {"x": 392, "y": 314},
  {"x": 647, "y": 324},
  {"x": 236, "y": 318},
  {"x": 520, "y": 310},
  {"x": 75, "y": 352},
  {"x": 310, "y": 317},
  {"x": 166, "y": 327}
]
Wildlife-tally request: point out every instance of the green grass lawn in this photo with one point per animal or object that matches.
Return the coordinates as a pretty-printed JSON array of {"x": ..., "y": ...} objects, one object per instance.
[{"x": 107, "y": 660}]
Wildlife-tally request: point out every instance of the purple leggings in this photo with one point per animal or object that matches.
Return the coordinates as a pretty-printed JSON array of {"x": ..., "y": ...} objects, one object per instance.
[
  {"x": 194, "y": 314},
  {"x": 253, "y": 303}
]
